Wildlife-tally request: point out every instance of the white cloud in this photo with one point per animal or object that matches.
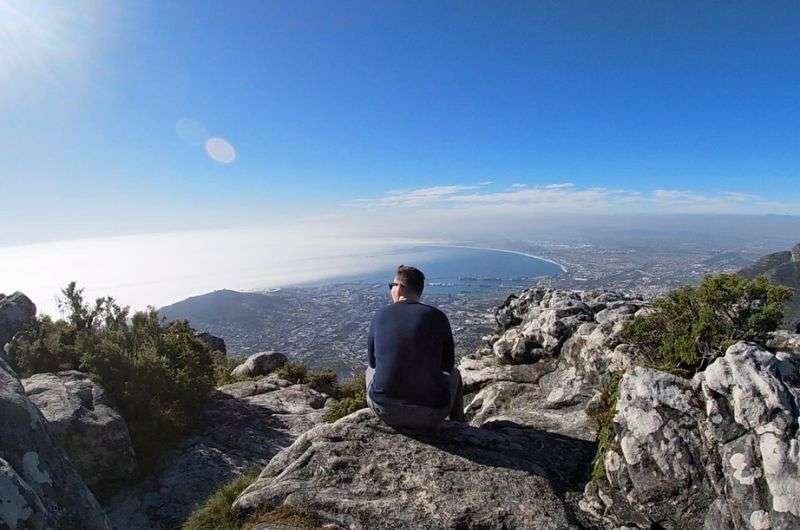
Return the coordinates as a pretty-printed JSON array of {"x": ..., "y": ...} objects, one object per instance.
[
  {"x": 416, "y": 197},
  {"x": 566, "y": 197}
]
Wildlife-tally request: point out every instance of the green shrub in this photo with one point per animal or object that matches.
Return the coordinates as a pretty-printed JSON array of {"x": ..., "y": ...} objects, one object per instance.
[
  {"x": 158, "y": 373},
  {"x": 692, "y": 326},
  {"x": 352, "y": 397},
  {"x": 294, "y": 372},
  {"x": 325, "y": 381},
  {"x": 216, "y": 512},
  {"x": 354, "y": 387}
]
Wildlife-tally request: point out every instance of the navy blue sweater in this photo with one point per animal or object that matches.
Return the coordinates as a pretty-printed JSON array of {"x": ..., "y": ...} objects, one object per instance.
[{"x": 410, "y": 345}]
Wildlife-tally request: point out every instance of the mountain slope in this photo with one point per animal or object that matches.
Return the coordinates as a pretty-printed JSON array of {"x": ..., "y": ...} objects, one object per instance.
[
  {"x": 219, "y": 307},
  {"x": 784, "y": 268}
]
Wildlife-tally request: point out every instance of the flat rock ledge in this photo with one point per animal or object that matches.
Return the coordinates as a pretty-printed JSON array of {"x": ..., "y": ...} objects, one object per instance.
[{"x": 360, "y": 473}]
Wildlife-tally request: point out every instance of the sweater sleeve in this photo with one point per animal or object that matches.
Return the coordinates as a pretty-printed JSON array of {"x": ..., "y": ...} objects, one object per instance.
[{"x": 449, "y": 353}]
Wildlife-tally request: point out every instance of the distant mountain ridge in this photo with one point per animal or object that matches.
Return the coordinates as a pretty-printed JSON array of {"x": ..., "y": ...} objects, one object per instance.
[
  {"x": 784, "y": 268},
  {"x": 210, "y": 309}
]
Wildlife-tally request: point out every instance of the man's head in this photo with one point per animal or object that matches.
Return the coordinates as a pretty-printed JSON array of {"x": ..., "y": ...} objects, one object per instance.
[{"x": 408, "y": 283}]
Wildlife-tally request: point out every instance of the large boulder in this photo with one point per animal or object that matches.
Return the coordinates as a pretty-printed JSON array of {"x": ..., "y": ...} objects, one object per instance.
[
  {"x": 39, "y": 487},
  {"x": 549, "y": 358},
  {"x": 261, "y": 363},
  {"x": 360, "y": 473},
  {"x": 84, "y": 420},
  {"x": 655, "y": 472},
  {"x": 243, "y": 425},
  {"x": 214, "y": 343},
  {"x": 16, "y": 312},
  {"x": 721, "y": 451}
]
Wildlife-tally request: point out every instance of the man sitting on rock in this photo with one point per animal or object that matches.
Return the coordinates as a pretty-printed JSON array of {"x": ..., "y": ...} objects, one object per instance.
[{"x": 412, "y": 380}]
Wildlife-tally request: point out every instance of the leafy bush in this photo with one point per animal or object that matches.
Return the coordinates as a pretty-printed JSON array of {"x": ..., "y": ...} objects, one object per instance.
[
  {"x": 325, "y": 381},
  {"x": 294, "y": 372},
  {"x": 157, "y": 372},
  {"x": 217, "y": 513},
  {"x": 692, "y": 326},
  {"x": 352, "y": 397}
]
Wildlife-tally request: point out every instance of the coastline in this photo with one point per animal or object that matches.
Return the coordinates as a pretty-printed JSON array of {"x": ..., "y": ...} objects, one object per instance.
[{"x": 519, "y": 253}]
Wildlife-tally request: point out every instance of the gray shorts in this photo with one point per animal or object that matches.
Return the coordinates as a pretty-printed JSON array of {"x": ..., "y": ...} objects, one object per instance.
[{"x": 413, "y": 416}]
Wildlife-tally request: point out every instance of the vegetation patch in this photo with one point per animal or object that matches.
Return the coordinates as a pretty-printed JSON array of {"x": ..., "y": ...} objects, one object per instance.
[
  {"x": 158, "y": 373},
  {"x": 223, "y": 369},
  {"x": 694, "y": 325},
  {"x": 217, "y": 512},
  {"x": 325, "y": 381},
  {"x": 602, "y": 415},
  {"x": 294, "y": 372},
  {"x": 688, "y": 329},
  {"x": 352, "y": 397}
]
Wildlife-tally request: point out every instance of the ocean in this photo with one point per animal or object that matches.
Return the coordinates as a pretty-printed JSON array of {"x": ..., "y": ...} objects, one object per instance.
[{"x": 451, "y": 269}]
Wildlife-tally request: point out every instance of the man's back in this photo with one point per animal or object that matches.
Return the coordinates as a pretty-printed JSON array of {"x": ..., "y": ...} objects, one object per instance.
[{"x": 410, "y": 345}]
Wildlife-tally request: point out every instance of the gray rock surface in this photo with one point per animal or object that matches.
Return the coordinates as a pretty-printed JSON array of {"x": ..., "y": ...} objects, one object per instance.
[
  {"x": 360, "y": 473},
  {"x": 721, "y": 451},
  {"x": 214, "y": 343},
  {"x": 785, "y": 341},
  {"x": 84, "y": 420},
  {"x": 16, "y": 312},
  {"x": 261, "y": 363},
  {"x": 39, "y": 487},
  {"x": 548, "y": 359},
  {"x": 243, "y": 426}
]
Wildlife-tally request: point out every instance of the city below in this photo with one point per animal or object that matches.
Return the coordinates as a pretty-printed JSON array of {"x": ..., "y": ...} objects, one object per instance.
[{"x": 325, "y": 325}]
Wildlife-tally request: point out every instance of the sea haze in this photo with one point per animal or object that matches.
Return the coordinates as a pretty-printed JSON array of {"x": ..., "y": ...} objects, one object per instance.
[{"x": 159, "y": 269}]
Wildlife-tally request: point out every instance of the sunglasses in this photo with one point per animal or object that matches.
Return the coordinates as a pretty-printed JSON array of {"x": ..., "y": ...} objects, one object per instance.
[{"x": 392, "y": 284}]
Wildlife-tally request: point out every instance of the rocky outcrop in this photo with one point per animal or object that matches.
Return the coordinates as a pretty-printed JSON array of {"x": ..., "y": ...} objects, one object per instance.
[
  {"x": 243, "y": 425},
  {"x": 261, "y": 363},
  {"x": 16, "y": 312},
  {"x": 721, "y": 451},
  {"x": 39, "y": 488},
  {"x": 84, "y": 420},
  {"x": 213, "y": 343},
  {"x": 360, "y": 473},
  {"x": 784, "y": 341},
  {"x": 548, "y": 359}
]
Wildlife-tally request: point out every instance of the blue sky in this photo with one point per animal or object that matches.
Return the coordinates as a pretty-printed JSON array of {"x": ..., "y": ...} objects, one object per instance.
[{"x": 348, "y": 110}]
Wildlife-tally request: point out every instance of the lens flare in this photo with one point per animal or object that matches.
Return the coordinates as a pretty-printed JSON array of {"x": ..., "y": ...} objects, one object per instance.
[{"x": 220, "y": 150}]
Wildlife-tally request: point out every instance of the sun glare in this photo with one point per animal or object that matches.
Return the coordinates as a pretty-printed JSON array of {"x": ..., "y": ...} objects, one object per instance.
[{"x": 34, "y": 36}]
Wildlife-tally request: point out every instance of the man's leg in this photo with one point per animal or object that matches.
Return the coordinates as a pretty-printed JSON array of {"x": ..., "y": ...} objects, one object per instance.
[{"x": 456, "y": 397}]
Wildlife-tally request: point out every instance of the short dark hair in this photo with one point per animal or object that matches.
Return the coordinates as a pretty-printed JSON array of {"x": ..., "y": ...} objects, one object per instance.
[{"x": 412, "y": 278}]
